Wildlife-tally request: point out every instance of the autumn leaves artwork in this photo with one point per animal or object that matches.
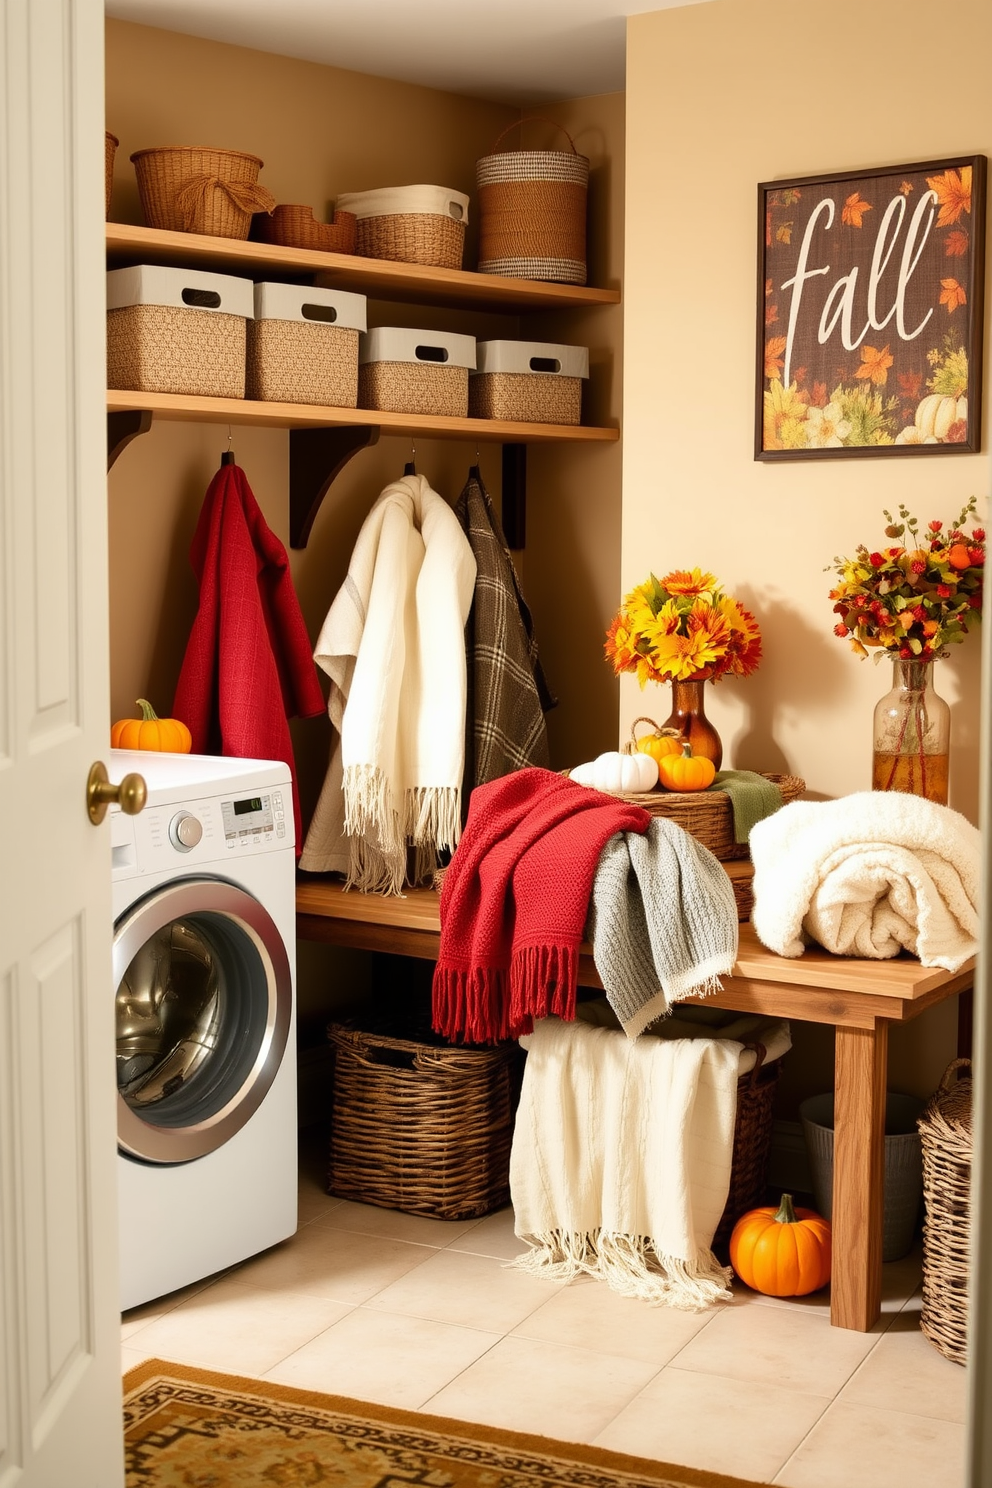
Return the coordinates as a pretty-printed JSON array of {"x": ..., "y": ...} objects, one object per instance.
[{"x": 870, "y": 312}]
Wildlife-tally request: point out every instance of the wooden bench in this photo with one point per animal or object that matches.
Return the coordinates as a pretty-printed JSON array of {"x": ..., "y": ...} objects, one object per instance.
[{"x": 860, "y": 998}]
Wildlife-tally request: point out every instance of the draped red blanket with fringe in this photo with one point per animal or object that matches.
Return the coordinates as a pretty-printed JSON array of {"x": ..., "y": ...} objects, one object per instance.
[{"x": 514, "y": 903}]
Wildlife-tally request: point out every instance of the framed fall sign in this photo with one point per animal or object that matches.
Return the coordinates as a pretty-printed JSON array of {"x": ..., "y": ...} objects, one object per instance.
[{"x": 870, "y": 288}]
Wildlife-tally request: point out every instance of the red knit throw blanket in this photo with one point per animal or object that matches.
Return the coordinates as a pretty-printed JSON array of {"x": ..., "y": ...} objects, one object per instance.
[{"x": 514, "y": 903}]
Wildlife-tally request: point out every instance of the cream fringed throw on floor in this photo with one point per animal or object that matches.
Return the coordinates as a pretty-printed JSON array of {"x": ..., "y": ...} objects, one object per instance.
[
  {"x": 662, "y": 921},
  {"x": 621, "y": 1157},
  {"x": 869, "y": 875},
  {"x": 393, "y": 647}
]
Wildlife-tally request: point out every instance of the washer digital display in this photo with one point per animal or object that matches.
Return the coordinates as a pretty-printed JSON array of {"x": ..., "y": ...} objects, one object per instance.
[{"x": 250, "y": 817}]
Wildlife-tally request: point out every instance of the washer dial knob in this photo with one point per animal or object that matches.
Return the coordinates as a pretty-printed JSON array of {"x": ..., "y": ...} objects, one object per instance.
[{"x": 185, "y": 831}]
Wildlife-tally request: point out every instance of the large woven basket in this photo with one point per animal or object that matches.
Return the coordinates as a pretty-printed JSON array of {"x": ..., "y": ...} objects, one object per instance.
[
  {"x": 946, "y": 1136},
  {"x": 200, "y": 189},
  {"x": 110, "y": 150},
  {"x": 708, "y": 815},
  {"x": 419, "y": 1125},
  {"x": 752, "y": 1142},
  {"x": 294, "y": 226},
  {"x": 532, "y": 212}
]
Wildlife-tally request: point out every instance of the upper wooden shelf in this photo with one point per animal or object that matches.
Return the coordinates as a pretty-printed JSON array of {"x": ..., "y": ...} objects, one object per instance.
[
  {"x": 311, "y": 416},
  {"x": 375, "y": 277}
]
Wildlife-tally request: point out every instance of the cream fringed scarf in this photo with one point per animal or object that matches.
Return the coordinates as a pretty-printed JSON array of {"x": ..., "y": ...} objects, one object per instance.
[
  {"x": 393, "y": 647},
  {"x": 621, "y": 1158}
]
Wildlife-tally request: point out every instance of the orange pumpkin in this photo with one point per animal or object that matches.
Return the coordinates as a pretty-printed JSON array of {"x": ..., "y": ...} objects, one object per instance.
[
  {"x": 166, "y": 735},
  {"x": 686, "y": 771},
  {"x": 783, "y": 1252},
  {"x": 660, "y": 743}
]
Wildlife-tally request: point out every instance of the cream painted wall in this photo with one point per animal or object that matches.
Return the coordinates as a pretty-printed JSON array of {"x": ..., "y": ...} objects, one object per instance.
[
  {"x": 721, "y": 96},
  {"x": 714, "y": 107}
]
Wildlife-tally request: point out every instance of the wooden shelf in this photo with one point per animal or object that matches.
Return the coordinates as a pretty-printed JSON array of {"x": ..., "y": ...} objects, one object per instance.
[
  {"x": 310, "y": 416},
  {"x": 370, "y": 276}
]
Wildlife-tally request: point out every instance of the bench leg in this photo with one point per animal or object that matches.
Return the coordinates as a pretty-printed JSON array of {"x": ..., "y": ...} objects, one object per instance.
[{"x": 860, "y": 1060}]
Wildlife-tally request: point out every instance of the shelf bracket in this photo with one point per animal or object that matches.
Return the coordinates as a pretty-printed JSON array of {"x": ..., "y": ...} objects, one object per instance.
[
  {"x": 122, "y": 428},
  {"x": 514, "y": 498},
  {"x": 316, "y": 458}
]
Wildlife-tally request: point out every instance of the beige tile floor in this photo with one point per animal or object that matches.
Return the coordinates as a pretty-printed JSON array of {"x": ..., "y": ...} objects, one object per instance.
[{"x": 425, "y": 1315}]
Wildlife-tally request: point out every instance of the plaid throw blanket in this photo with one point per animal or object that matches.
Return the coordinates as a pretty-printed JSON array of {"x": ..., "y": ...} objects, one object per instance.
[{"x": 508, "y": 693}]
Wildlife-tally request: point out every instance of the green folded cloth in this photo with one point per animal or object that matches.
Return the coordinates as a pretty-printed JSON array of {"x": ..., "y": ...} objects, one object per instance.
[{"x": 752, "y": 798}]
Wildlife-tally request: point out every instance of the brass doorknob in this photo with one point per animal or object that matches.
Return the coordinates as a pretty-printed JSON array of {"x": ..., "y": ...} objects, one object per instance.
[{"x": 130, "y": 795}]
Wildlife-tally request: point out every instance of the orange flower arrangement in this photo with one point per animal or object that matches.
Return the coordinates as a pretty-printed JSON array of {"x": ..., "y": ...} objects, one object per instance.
[{"x": 683, "y": 627}]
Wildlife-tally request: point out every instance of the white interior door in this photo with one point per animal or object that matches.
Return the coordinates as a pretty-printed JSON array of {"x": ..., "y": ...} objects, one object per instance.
[{"x": 60, "y": 1420}]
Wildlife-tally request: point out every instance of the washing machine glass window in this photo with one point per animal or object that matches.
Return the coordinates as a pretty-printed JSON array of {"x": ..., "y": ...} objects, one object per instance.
[{"x": 203, "y": 1007}]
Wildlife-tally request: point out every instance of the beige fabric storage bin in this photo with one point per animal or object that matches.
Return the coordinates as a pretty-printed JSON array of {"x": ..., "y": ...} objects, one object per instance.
[
  {"x": 535, "y": 382},
  {"x": 177, "y": 331},
  {"x": 410, "y": 371},
  {"x": 409, "y": 224},
  {"x": 303, "y": 345}
]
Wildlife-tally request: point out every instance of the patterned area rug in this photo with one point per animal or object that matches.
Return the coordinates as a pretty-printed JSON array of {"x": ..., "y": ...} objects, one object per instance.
[{"x": 190, "y": 1428}]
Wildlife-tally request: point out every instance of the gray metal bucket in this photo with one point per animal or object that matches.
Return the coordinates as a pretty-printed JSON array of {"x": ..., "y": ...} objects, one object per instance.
[{"x": 903, "y": 1165}]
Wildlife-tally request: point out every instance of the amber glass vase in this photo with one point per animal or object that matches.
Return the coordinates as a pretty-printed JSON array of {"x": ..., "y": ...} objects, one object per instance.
[
  {"x": 688, "y": 715},
  {"x": 912, "y": 728}
]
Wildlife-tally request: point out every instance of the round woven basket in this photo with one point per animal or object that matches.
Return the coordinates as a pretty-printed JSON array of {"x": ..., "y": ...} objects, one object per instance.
[
  {"x": 200, "y": 189},
  {"x": 294, "y": 226},
  {"x": 110, "y": 150},
  {"x": 532, "y": 212},
  {"x": 946, "y": 1134},
  {"x": 708, "y": 815}
]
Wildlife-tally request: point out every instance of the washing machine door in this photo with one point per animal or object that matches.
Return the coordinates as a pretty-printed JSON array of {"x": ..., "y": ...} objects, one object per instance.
[{"x": 203, "y": 1005}]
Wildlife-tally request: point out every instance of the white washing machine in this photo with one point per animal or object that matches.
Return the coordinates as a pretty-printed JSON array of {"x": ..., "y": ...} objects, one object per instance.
[{"x": 204, "y": 978}]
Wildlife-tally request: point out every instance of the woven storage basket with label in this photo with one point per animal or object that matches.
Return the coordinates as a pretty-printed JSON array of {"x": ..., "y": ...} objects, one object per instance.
[
  {"x": 946, "y": 1137},
  {"x": 200, "y": 189},
  {"x": 532, "y": 212},
  {"x": 410, "y": 224},
  {"x": 410, "y": 371},
  {"x": 537, "y": 382},
  {"x": 303, "y": 345},
  {"x": 419, "y": 1125},
  {"x": 177, "y": 331}
]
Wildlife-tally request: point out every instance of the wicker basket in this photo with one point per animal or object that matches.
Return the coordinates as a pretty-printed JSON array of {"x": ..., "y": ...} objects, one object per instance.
[
  {"x": 110, "y": 150},
  {"x": 303, "y": 345},
  {"x": 525, "y": 399},
  {"x": 296, "y": 227},
  {"x": 752, "y": 1142},
  {"x": 199, "y": 189},
  {"x": 946, "y": 1135},
  {"x": 177, "y": 331},
  {"x": 420, "y": 1126},
  {"x": 410, "y": 224},
  {"x": 532, "y": 212}
]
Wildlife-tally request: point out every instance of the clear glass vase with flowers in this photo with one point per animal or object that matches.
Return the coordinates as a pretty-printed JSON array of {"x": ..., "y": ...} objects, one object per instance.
[
  {"x": 909, "y": 601},
  {"x": 685, "y": 630}
]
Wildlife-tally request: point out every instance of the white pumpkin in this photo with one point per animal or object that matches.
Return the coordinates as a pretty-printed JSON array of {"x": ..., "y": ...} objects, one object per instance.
[
  {"x": 935, "y": 415},
  {"x": 618, "y": 774}
]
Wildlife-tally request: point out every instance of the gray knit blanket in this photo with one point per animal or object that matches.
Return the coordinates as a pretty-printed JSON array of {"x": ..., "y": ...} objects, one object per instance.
[{"x": 662, "y": 922}]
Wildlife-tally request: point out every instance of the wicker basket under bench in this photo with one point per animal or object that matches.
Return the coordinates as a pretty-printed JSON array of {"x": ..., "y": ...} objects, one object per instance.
[{"x": 426, "y": 1128}]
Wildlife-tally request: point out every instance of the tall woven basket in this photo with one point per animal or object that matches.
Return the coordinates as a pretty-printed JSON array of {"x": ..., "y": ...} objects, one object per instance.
[
  {"x": 532, "y": 212},
  {"x": 419, "y": 1125},
  {"x": 200, "y": 189},
  {"x": 946, "y": 1135}
]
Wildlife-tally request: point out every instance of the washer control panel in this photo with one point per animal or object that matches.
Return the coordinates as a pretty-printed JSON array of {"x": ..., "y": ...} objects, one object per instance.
[{"x": 251, "y": 820}]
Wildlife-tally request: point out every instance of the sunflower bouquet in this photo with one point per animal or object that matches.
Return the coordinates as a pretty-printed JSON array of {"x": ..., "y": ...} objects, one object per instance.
[
  {"x": 682, "y": 627},
  {"x": 916, "y": 596}
]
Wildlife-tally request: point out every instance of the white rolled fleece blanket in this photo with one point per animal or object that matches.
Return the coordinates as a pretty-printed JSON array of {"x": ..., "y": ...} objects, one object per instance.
[
  {"x": 393, "y": 646},
  {"x": 869, "y": 875}
]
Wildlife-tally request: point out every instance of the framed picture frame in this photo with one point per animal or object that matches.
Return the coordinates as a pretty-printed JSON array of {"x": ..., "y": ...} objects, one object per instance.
[{"x": 870, "y": 312}]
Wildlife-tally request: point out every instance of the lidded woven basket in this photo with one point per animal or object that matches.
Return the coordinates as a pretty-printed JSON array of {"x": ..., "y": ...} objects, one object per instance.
[
  {"x": 946, "y": 1136},
  {"x": 200, "y": 189},
  {"x": 532, "y": 212}
]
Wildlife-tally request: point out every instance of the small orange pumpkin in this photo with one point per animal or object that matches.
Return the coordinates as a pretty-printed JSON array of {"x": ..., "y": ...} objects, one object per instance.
[
  {"x": 783, "y": 1252},
  {"x": 166, "y": 735},
  {"x": 686, "y": 771},
  {"x": 660, "y": 743}
]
